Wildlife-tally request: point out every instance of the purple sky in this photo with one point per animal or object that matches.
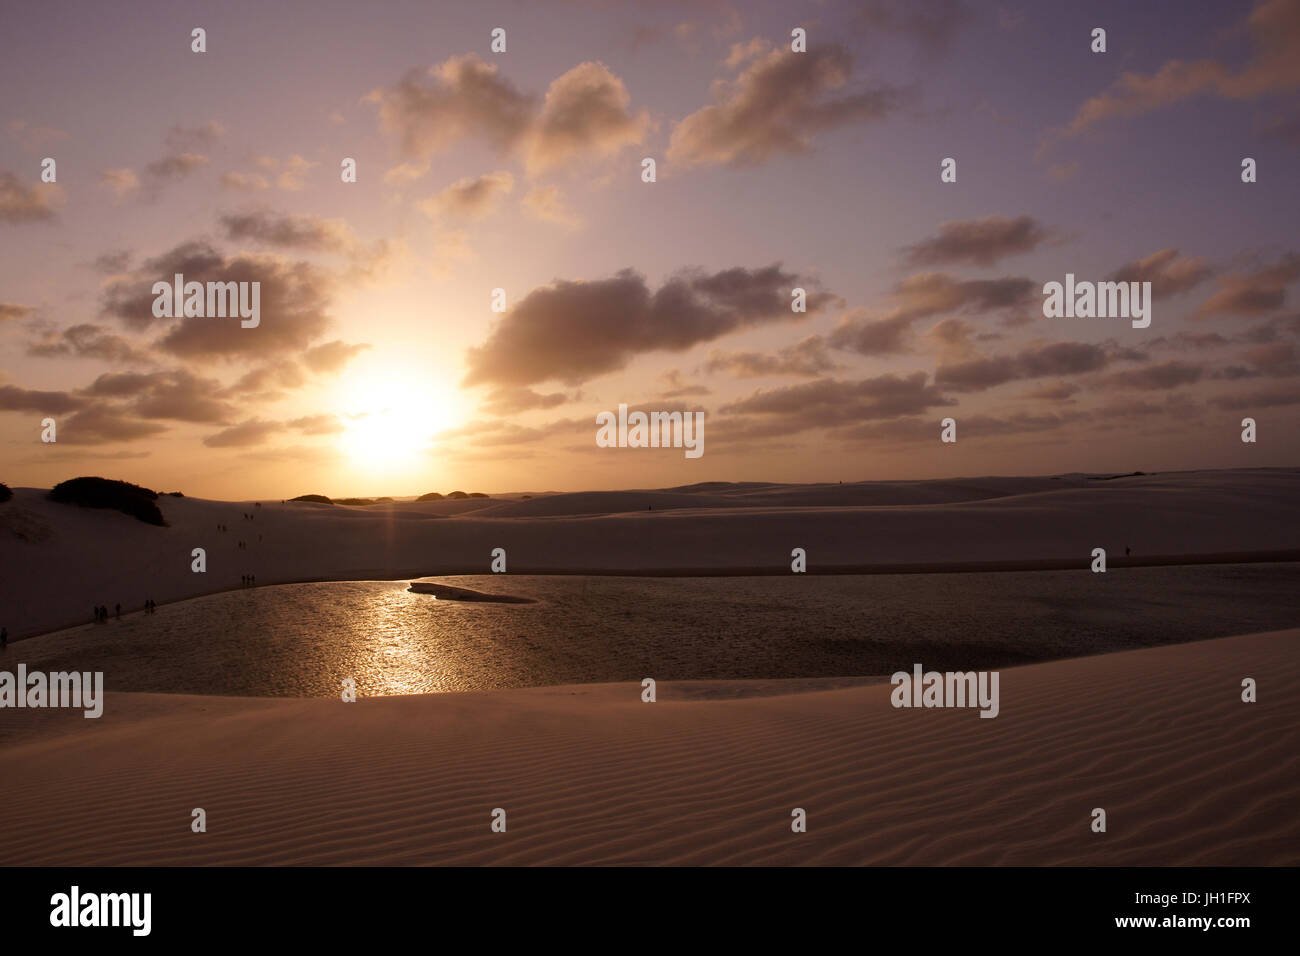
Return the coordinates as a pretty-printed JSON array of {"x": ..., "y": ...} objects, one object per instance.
[{"x": 379, "y": 368}]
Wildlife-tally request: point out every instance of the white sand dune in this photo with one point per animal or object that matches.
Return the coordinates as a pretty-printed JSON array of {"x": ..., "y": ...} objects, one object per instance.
[
  {"x": 61, "y": 560},
  {"x": 1159, "y": 738}
]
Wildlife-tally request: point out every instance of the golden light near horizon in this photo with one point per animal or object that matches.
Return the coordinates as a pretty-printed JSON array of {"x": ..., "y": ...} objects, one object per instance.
[{"x": 390, "y": 420}]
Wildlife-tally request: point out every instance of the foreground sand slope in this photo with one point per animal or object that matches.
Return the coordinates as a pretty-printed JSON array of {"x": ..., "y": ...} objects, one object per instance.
[
  {"x": 60, "y": 560},
  {"x": 1187, "y": 773}
]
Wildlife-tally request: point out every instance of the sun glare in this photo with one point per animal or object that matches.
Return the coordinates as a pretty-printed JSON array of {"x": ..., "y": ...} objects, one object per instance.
[{"x": 391, "y": 423}]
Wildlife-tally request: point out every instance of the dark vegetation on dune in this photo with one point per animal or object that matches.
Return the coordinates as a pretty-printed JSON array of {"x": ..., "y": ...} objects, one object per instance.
[
  {"x": 431, "y": 496},
  {"x": 175, "y": 494},
  {"x": 5, "y": 493},
  {"x": 360, "y": 501},
  {"x": 107, "y": 493},
  {"x": 319, "y": 499},
  {"x": 458, "y": 495}
]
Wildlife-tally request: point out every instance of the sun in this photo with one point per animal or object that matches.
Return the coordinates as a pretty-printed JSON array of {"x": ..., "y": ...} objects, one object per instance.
[{"x": 390, "y": 422}]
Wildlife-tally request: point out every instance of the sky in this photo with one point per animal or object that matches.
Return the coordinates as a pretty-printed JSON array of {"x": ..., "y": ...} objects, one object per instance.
[{"x": 379, "y": 366}]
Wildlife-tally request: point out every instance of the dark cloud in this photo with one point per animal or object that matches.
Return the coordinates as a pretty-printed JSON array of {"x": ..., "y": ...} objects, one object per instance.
[
  {"x": 1166, "y": 271},
  {"x": 1274, "y": 397},
  {"x": 777, "y": 103},
  {"x": 981, "y": 242},
  {"x": 1158, "y": 377},
  {"x": 247, "y": 433},
  {"x": 102, "y": 424},
  {"x": 927, "y": 294},
  {"x": 15, "y": 399},
  {"x": 309, "y": 233},
  {"x": 1253, "y": 293},
  {"x": 831, "y": 402},
  {"x": 175, "y": 395},
  {"x": 173, "y": 168},
  {"x": 808, "y": 357},
  {"x": 1059, "y": 358},
  {"x": 88, "y": 341},
  {"x": 573, "y": 331},
  {"x": 294, "y": 300}
]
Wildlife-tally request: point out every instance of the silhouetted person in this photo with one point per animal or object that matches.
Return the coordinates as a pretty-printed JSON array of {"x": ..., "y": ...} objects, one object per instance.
[
  {"x": 118, "y": 610},
  {"x": 253, "y": 579},
  {"x": 1127, "y": 551}
]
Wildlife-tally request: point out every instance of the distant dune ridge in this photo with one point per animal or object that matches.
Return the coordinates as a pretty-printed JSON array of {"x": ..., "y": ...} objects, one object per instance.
[
  {"x": 61, "y": 560},
  {"x": 1187, "y": 773}
]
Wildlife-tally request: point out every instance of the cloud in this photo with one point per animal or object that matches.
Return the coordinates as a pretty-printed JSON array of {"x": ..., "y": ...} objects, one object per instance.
[
  {"x": 585, "y": 114},
  {"x": 1167, "y": 273},
  {"x": 35, "y": 138},
  {"x": 295, "y": 296},
  {"x": 547, "y": 204},
  {"x": 680, "y": 389},
  {"x": 808, "y": 357},
  {"x": 250, "y": 182},
  {"x": 174, "y": 167},
  {"x": 981, "y": 242},
  {"x": 331, "y": 356},
  {"x": 830, "y": 402},
  {"x": 927, "y": 294},
  {"x": 122, "y": 182},
  {"x": 289, "y": 175},
  {"x": 182, "y": 139},
  {"x": 112, "y": 263},
  {"x": 102, "y": 424},
  {"x": 87, "y": 341},
  {"x": 22, "y": 203},
  {"x": 1274, "y": 67},
  {"x": 511, "y": 401},
  {"x": 575, "y": 330},
  {"x": 462, "y": 97},
  {"x": 254, "y": 431},
  {"x": 266, "y": 383},
  {"x": 1159, "y": 377},
  {"x": 16, "y": 399},
  {"x": 317, "y": 425},
  {"x": 404, "y": 174},
  {"x": 1253, "y": 293},
  {"x": 470, "y": 198},
  {"x": 173, "y": 395},
  {"x": 308, "y": 233},
  {"x": 1274, "y": 397},
  {"x": 1054, "y": 392},
  {"x": 13, "y": 311},
  {"x": 776, "y": 104},
  {"x": 1058, "y": 358}
]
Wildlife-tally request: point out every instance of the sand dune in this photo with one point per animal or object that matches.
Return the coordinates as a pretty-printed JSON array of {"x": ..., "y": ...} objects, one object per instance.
[
  {"x": 61, "y": 560},
  {"x": 1187, "y": 773}
]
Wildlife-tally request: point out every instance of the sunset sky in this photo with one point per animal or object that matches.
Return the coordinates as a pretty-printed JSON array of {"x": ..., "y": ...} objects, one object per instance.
[{"x": 379, "y": 368}]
